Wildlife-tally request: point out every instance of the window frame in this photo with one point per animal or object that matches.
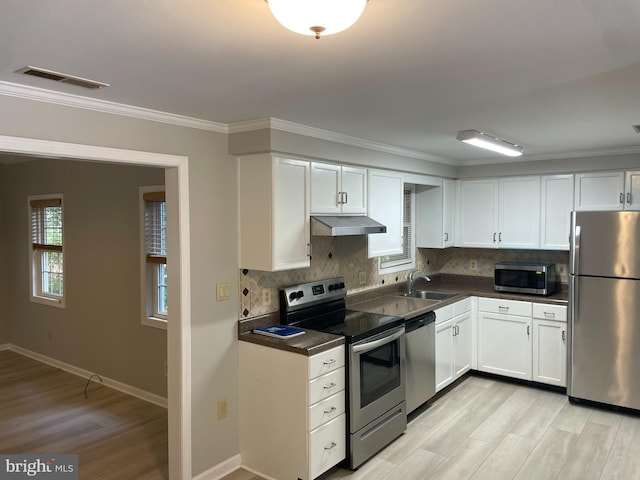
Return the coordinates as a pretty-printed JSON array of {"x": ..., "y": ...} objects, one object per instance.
[
  {"x": 149, "y": 270},
  {"x": 36, "y": 256},
  {"x": 409, "y": 263}
]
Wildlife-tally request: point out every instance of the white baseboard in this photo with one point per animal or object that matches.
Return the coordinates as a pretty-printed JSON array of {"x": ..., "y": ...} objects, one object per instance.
[
  {"x": 5, "y": 346},
  {"x": 221, "y": 470},
  {"x": 81, "y": 372}
]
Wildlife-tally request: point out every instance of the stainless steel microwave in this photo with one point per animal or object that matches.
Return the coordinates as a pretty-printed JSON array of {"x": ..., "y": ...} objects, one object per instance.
[{"x": 525, "y": 277}]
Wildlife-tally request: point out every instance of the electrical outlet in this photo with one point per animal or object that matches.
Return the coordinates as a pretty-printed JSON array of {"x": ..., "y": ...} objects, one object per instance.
[
  {"x": 222, "y": 408},
  {"x": 362, "y": 278},
  {"x": 473, "y": 264},
  {"x": 266, "y": 297}
]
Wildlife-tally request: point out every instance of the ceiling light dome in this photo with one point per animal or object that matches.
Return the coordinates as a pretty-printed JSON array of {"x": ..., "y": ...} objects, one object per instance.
[{"x": 316, "y": 17}]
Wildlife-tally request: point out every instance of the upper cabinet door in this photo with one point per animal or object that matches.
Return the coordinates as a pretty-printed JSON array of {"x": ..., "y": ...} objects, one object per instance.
[
  {"x": 478, "y": 213},
  {"x": 325, "y": 188},
  {"x": 354, "y": 189},
  {"x": 338, "y": 189},
  {"x": 519, "y": 225},
  {"x": 632, "y": 191},
  {"x": 556, "y": 204},
  {"x": 599, "y": 191},
  {"x": 386, "y": 193}
]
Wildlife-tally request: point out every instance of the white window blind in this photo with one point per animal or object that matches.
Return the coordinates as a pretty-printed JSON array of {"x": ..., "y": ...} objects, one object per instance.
[
  {"x": 407, "y": 234},
  {"x": 155, "y": 227},
  {"x": 46, "y": 224}
]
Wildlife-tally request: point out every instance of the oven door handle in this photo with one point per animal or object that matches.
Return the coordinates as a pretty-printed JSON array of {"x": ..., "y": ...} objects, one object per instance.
[{"x": 373, "y": 344}]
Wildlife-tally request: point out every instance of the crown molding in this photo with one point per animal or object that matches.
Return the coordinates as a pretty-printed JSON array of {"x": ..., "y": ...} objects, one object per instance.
[
  {"x": 299, "y": 129},
  {"x": 104, "y": 106}
]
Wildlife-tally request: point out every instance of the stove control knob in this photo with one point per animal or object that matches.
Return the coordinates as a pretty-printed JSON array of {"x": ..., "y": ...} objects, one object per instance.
[
  {"x": 293, "y": 296},
  {"x": 300, "y": 294},
  {"x": 331, "y": 287},
  {"x": 341, "y": 284}
]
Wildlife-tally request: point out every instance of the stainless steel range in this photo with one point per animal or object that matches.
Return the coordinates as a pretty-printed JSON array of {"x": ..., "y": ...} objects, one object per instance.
[{"x": 376, "y": 407}]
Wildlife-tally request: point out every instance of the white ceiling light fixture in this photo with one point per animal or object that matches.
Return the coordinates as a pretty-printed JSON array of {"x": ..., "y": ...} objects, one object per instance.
[
  {"x": 489, "y": 142},
  {"x": 317, "y": 17}
]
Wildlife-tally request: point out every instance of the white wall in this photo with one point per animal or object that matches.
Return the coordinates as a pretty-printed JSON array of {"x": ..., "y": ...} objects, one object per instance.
[
  {"x": 212, "y": 198},
  {"x": 4, "y": 319},
  {"x": 100, "y": 328}
]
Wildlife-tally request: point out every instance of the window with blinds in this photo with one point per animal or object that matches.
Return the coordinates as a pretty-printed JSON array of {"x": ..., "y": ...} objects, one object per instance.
[
  {"x": 47, "y": 260},
  {"x": 406, "y": 259},
  {"x": 154, "y": 245},
  {"x": 155, "y": 227}
]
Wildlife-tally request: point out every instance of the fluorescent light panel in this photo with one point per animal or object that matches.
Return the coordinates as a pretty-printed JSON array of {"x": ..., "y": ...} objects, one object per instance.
[{"x": 489, "y": 142}]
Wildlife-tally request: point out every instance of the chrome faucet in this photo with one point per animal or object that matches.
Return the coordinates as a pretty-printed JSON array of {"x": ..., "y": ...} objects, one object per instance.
[{"x": 411, "y": 280}]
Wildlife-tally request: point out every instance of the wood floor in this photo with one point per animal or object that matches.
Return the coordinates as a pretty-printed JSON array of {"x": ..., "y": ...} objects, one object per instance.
[
  {"x": 486, "y": 429},
  {"x": 44, "y": 410}
]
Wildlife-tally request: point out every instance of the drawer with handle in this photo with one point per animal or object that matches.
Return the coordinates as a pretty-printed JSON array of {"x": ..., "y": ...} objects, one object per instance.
[
  {"x": 505, "y": 307},
  {"x": 326, "y": 410},
  {"x": 550, "y": 312},
  {"x": 326, "y": 385},
  {"x": 326, "y": 362}
]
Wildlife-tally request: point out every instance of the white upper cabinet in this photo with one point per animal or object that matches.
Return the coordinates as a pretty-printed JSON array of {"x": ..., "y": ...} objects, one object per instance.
[
  {"x": 556, "y": 206},
  {"x": 274, "y": 213},
  {"x": 478, "y": 217},
  {"x": 386, "y": 193},
  {"x": 519, "y": 225},
  {"x": 338, "y": 189},
  {"x": 632, "y": 191},
  {"x": 435, "y": 208},
  {"x": 599, "y": 191}
]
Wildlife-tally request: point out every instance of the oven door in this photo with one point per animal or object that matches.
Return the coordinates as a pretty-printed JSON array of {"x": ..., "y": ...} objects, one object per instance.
[{"x": 377, "y": 377}]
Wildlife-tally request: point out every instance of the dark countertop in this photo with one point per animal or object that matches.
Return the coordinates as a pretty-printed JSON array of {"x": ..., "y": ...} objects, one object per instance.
[
  {"x": 311, "y": 343},
  {"x": 385, "y": 300}
]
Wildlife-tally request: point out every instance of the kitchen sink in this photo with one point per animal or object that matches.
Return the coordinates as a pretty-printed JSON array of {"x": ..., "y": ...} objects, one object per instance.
[{"x": 426, "y": 295}]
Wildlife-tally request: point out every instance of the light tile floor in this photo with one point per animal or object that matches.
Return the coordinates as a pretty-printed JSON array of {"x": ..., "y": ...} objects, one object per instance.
[{"x": 486, "y": 429}]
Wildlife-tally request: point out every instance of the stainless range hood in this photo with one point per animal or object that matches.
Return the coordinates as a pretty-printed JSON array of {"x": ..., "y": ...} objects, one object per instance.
[{"x": 337, "y": 226}]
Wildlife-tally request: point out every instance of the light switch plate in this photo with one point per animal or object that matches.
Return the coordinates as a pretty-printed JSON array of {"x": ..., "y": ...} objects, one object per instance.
[{"x": 222, "y": 291}]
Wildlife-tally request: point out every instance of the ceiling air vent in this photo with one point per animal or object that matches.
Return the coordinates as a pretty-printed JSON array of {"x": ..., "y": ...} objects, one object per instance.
[
  {"x": 636, "y": 128},
  {"x": 62, "y": 77}
]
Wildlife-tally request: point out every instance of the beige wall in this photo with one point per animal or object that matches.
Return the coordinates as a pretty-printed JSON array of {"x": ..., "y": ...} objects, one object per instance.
[
  {"x": 212, "y": 198},
  {"x": 4, "y": 319},
  {"x": 100, "y": 328}
]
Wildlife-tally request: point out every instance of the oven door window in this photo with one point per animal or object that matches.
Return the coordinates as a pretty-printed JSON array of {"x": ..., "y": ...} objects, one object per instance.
[{"x": 379, "y": 372}]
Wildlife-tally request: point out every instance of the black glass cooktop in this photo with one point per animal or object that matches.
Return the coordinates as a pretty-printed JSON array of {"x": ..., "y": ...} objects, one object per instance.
[{"x": 353, "y": 325}]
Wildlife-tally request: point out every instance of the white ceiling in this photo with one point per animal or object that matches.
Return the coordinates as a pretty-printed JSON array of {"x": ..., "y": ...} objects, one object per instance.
[{"x": 559, "y": 77}]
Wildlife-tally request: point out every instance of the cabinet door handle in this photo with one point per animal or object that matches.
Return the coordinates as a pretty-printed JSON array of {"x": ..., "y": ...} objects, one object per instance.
[
  {"x": 503, "y": 308},
  {"x": 549, "y": 315},
  {"x": 330, "y": 386},
  {"x": 622, "y": 198},
  {"x": 500, "y": 237},
  {"x": 563, "y": 336},
  {"x": 528, "y": 330},
  {"x": 309, "y": 250},
  {"x": 446, "y": 237},
  {"x": 346, "y": 197},
  {"x": 339, "y": 201},
  {"x": 330, "y": 361},
  {"x": 331, "y": 410},
  {"x": 333, "y": 445},
  {"x": 629, "y": 198},
  {"x": 494, "y": 237}
]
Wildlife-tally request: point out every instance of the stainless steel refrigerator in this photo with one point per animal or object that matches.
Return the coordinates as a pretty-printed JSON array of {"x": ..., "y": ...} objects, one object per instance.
[{"x": 604, "y": 308}]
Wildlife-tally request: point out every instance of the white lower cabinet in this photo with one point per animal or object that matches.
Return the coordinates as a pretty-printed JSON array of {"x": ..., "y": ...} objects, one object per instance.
[
  {"x": 522, "y": 340},
  {"x": 292, "y": 411},
  {"x": 550, "y": 344},
  {"x": 453, "y": 342}
]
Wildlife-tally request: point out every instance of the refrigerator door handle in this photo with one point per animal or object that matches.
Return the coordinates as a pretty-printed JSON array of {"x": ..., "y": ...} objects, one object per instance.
[{"x": 574, "y": 261}]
